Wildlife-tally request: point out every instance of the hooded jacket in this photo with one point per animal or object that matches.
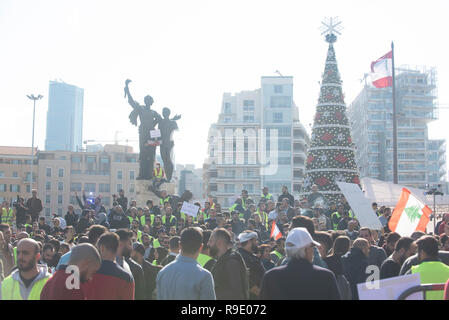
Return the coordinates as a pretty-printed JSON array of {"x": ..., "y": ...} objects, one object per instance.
[
  {"x": 354, "y": 269},
  {"x": 24, "y": 291}
]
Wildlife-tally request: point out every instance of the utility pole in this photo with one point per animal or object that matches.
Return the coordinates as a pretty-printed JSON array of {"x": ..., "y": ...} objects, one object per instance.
[{"x": 32, "y": 97}]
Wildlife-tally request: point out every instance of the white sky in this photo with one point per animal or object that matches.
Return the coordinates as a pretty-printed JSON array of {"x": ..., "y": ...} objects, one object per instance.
[{"x": 186, "y": 54}]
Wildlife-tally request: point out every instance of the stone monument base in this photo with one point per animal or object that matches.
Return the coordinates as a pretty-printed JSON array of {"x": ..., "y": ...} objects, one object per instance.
[{"x": 143, "y": 193}]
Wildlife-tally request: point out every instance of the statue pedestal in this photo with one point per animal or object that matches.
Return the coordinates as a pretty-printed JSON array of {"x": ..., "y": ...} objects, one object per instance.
[{"x": 143, "y": 193}]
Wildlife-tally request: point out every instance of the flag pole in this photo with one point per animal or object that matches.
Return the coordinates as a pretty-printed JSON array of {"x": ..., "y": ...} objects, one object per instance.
[{"x": 395, "y": 129}]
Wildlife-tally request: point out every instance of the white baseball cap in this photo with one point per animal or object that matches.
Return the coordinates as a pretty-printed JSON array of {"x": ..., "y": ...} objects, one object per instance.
[
  {"x": 299, "y": 238},
  {"x": 245, "y": 236}
]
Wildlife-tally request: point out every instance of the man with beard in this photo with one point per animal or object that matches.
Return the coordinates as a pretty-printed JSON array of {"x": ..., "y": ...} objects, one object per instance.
[
  {"x": 27, "y": 281},
  {"x": 124, "y": 260},
  {"x": 86, "y": 259},
  {"x": 149, "y": 271},
  {"x": 405, "y": 247},
  {"x": 111, "y": 282},
  {"x": 248, "y": 246},
  {"x": 230, "y": 275}
]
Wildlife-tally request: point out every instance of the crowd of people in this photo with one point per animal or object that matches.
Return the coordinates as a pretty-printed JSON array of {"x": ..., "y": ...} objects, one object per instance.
[{"x": 155, "y": 251}]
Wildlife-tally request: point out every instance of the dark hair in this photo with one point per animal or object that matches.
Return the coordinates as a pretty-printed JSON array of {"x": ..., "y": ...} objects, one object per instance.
[
  {"x": 83, "y": 239},
  {"x": 109, "y": 240},
  {"x": 224, "y": 234},
  {"x": 337, "y": 233},
  {"x": 262, "y": 248},
  {"x": 443, "y": 239},
  {"x": 341, "y": 245},
  {"x": 206, "y": 237},
  {"x": 325, "y": 238},
  {"x": 55, "y": 243},
  {"x": 303, "y": 222},
  {"x": 162, "y": 253},
  {"x": 252, "y": 221},
  {"x": 429, "y": 245},
  {"x": 174, "y": 242},
  {"x": 66, "y": 229},
  {"x": 4, "y": 226},
  {"x": 94, "y": 232},
  {"x": 64, "y": 245},
  {"x": 366, "y": 229},
  {"x": 47, "y": 246},
  {"x": 124, "y": 234},
  {"x": 403, "y": 242},
  {"x": 393, "y": 237},
  {"x": 191, "y": 240}
]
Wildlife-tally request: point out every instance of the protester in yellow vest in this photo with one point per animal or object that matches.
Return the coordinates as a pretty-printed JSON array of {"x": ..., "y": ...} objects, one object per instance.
[
  {"x": 27, "y": 282},
  {"x": 158, "y": 175},
  {"x": 430, "y": 269},
  {"x": 8, "y": 214}
]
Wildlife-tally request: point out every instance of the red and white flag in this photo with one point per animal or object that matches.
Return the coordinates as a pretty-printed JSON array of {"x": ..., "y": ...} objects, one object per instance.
[
  {"x": 381, "y": 71},
  {"x": 275, "y": 232},
  {"x": 410, "y": 215}
]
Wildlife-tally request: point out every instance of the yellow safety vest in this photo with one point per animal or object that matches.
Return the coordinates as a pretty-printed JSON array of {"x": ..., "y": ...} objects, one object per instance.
[
  {"x": 171, "y": 219},
  {"x": 7, "y": 216},
  {"x": 156, "y": 243},
  {"x": 263, "y": 217},
  {"x": 278, "y": 254},
  {"x": 203, "y": 259},
  {"x": 164, "y": 200},
  {"x": 338, "y": 215},
  {"x": 14, "y": 251},
  {"x": 143, "y": 219},
  {"x": 11, "y": 289},
  {"x": 158, "y": 174},
  {"x": 432, "y": 272},
  {"x": 268, "y": 196}
]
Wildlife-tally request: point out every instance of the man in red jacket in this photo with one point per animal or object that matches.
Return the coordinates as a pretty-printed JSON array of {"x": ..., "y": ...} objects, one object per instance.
[
  {"x": 111, "y": 282},
  {"x": 65, "y": 285}
]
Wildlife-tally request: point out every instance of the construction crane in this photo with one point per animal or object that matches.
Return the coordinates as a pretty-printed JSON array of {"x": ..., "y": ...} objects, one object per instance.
[{"x": 116, "y": 140}]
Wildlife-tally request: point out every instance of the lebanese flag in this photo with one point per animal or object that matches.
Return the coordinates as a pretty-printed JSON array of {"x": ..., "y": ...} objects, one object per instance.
[
  {"x": 275, "y": 232},
  {"x": 410, "y": 215},
  {"x": 381, "y": 71}
]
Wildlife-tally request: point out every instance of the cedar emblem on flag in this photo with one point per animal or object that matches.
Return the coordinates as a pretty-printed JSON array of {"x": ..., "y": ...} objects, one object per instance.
[
  {"x": 410, "y": 215},
  {"x": 275, "y": 232}
]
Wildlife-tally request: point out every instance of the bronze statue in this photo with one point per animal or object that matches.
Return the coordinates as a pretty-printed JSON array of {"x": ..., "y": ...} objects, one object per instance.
[
  {"x": 148, "y": 121},
  {"x": 167, "y": 126}
]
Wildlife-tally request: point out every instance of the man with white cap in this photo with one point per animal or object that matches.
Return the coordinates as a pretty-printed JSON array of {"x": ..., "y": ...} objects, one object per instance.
[
  {"x": 299, "y": 279},
  {"x": 248, "y": 246}
]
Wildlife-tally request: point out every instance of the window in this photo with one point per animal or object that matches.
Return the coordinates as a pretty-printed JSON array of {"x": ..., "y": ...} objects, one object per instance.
[
  {"x": 76, "y": 159},
  {"x": 75, "y": 186},
  {"x": 60, "y": 186},
  {"x": 47, "y": 212},
  {"x": 248, "y": 103},
  {"x": 277, "y": 117},
  {"x": 47, "y": 199},
  {"x": 213, "y": 187},
  {"x": 61, "y": 173},
  {"x": 14, "y": 188},
  {"x": 104, "y": 187},
  {"x": 2, "y": 187},
  {"x": 106, "y": 201},
  {"x": 281, "y": 102},
  {"x": 227, "y": 108},
  {"x": 249, "y": 188},
  {"x": 229, "y": 173},
  {"x": 72, "y": 200},
  {"x": 28, "y": 188},
  {"x": 60, "y": 199},
  {"x": 91, "y": 160},
  {"x": 89, "y": 187},
  {"x": 229, "y": 188},
  {"x": 298, "y": 160},
  {"x": 48, "y": 172},
  {"x": 119, "y": 175},
  {"x": 132, "y": 174},
  {"x": 278, "y": 89},
  {"x": 119, "y": 187},
  {"x": 2, "y": 174},
  {"x": 284, "y": 160},
  {"x": 131, "y": 188},
  {"x": 48, "y": 186},
  {"x": 59, "y": 211},
  {"x": 15, "y": 174},
  {"x": 285, "y": 145},
  {"x": 248, "y": 118}
]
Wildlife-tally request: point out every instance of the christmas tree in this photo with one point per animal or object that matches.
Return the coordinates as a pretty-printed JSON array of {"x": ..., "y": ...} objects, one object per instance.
[{"x": 330, "y": 156}]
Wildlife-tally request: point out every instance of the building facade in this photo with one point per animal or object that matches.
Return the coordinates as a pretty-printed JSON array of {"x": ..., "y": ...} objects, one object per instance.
[
  {"x": 257, "y": 141},
  {"x": 15, "y": 169},
  {"x": 64, "y": 173},
  {"x": 64, "y": 117},
  {"x": 421, "y": 161},
  {"x": 190, "y": 178}
]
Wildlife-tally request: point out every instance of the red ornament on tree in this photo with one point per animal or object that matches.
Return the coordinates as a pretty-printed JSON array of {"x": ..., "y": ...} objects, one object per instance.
[
  {"x": 356, "y": 180},
  {"x": 341, "y": 158},
  {"x": 338, "y": 115},
  {"x": 317, "y": 116},
  {"x": 349, "y": 140},
  {"x": 310, "y": 159},
  {"x": 327, "y": 137},
  {"x": 321, "y": 181}
]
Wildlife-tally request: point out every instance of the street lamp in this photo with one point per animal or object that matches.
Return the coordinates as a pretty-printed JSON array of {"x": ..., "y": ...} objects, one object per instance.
[
  {"x": 32, "y": 97},
  {"x": 435, "y": 192}
]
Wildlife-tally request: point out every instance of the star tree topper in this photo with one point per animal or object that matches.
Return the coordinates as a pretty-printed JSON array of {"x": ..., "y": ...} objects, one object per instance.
[{"x": 330, "y": 27}]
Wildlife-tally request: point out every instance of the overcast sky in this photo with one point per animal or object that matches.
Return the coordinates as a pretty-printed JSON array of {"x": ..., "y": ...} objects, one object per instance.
[{"x": 187, "y": 53}]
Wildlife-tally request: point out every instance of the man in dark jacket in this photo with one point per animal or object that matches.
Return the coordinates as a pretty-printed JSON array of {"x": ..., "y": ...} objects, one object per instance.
[
  {"x": 285, "y": 194},
  {"x": 118, "y": 219},
  {"x": 355, "y": 263},
  {"x": 299, "y": 279},
  {"x": 34, "y": 205},
  {"x": 150, "y": 271},
  {"x": 122, "y": 200},
  {"x": 71, "y": 218},
  {"x": 248, "y": 246},
  {"x": 230, "y": 273},
  {"x": 377, "y": 254}
]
